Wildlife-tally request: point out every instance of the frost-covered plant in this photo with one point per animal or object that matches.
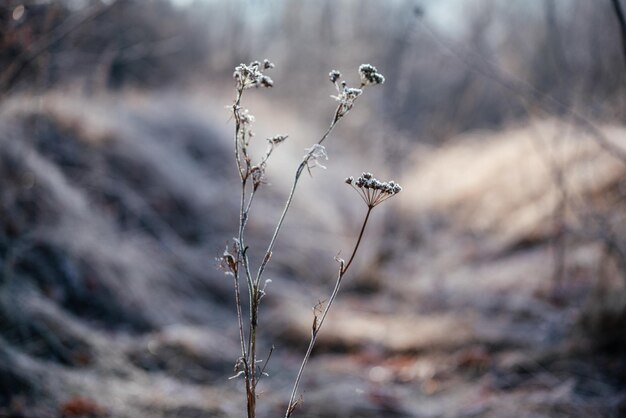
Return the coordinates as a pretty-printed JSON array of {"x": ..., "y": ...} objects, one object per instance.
[{"x": 236, "y": 261}]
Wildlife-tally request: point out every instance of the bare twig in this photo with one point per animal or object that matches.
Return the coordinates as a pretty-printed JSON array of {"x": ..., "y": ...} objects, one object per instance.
[
  {"x": 69, "y": 25},
  {"x": 318, "y": 322},
  {"x": 303, "y": 164},
  {"x": 619, "y": 13},
  {"x": 527, "y": 92}
]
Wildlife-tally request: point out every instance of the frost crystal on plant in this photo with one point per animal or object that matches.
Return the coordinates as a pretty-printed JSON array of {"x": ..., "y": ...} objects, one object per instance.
[
  {"x": 313, "y": 155},
  {"x": 346, "y": 98},
  {"x": 370, "y": 75},
  {"x": 245, "y": 117},
  {"x": 251, "y": 75}
]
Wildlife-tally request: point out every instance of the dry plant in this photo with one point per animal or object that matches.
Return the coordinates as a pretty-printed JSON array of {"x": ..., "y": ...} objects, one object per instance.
[{"x": 236, "y": 261}]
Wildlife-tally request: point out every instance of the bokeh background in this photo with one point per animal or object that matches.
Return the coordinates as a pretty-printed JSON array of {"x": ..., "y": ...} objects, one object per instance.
[{"x": 494, "y": 285}]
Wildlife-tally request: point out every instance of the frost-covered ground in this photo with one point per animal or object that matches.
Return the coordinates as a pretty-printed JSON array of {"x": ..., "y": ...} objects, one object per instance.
[{"x": 113, "y": 209}]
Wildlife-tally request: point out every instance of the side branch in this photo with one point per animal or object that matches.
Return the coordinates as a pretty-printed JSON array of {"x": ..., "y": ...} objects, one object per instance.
[
  {"x": 318, "y": 322},
  {"x": 303, "y": 164}
]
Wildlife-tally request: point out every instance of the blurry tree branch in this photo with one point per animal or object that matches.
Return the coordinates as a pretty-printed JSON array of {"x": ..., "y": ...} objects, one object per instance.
[
  {"x": 525, "y": 91},
  {"x": 619, "y": 12},
  {"x": 69, "y": 25},
  {"x": 554, "y": 35}
]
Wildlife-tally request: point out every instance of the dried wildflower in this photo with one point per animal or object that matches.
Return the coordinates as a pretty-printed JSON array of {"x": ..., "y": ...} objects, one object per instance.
[
  {"x": 278, "y": 139},
  {"x": 370, "y": 75},
  {"x": 239, "y": 368},
  {"x": 313, "y": 155},
  {"x": 245, "y": 117},
  {"x": 258, "y": 175},
  {"x": 373, "y": 191},
  {"x": 346, "y": 97},
  {"x": 236, "y": 261},
  {"x": 251, "y": 75},
  {"x": 228, "y": 263},
  {"x": 334, "y": 75},
  {"x": 266, "y": 81}
]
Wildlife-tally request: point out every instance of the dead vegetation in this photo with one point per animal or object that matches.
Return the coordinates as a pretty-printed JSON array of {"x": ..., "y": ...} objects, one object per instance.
[{"x": 496, "y": 288}]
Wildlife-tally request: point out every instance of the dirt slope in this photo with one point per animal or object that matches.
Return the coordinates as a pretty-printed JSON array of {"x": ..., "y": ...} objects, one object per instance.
[{"x": 110, "y": 303}]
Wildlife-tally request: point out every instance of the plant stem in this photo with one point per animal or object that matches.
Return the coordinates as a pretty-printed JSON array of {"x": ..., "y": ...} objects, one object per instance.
[
  {"x": 303, "y": 164},
  {"x": 249, "y": 357},
  {"x": 358, "y": 241},
  {"x": 318, "y": 324}
]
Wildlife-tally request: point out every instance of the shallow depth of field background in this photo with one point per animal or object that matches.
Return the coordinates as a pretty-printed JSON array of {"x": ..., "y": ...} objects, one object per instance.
[{"x": 494, "y": 285}]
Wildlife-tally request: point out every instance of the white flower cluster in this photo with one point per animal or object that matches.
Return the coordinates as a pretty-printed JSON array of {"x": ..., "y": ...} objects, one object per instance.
[
  {"x": 346, "y": 96},
  {"x": 373, "y": 191},
  {"x": 334, "y": 75},
  {"x": 246, "y": 117},
  {"x": 251, "y": 75},
  {"x": 370, "y": 75}
]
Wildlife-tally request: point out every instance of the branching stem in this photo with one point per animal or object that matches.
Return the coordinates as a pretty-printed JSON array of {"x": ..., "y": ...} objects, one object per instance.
[
  {"x": 301, "y": 167},
  {"x": 343, "y": 269}
]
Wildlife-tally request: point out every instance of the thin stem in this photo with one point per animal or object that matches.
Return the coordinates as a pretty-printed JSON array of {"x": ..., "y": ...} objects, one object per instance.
[
  {"x": 267, "y": 360},
  {"x": 236, "y": 108},
  {"x": 251, "y": 396},
  {"x": 243, "y": 219},
  {"x": 303, "y": 164},
  {"x": 358, "y": 241},
  {"x": 242, "y": 337},
  {"x": 318, "y": 324},
  {"x": 249, "y": 357}
]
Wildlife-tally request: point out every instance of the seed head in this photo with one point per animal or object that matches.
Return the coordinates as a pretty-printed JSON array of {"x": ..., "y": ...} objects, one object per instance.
[
  {"x": 346, "y": 98},
  {"x": 373, "y": 191},
  {"x": 334, "y": 75},
  {"x": 252, "y": 75},
  {"x": 370, "y": 75},
  {"x": 245, "y": 117}
]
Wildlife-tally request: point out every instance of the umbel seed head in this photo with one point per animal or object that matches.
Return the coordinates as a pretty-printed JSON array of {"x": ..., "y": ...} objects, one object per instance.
[{"x": 373, "y": 191}]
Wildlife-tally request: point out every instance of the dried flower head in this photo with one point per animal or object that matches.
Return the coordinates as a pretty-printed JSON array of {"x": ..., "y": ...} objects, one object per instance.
[
  {"x": 334, "y": 75},
  {"x": 252, "y": 75},
  {"x": 346, "y": 98},
  {"x": 370, "y": 75},
  {"x": 278, "y": 139},
  {"x": 245, "y": 117},
  {"x": 373, "y": 191},
  {"x": 258, "y": 175},
  {"x": 228, "y": 262}
]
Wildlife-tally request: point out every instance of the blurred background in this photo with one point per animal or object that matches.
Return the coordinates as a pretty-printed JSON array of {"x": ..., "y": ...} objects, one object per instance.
[{"x": 494, "y": 285}]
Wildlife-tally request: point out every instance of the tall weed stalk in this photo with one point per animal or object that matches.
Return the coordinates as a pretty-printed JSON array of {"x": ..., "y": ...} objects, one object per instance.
[{"x": 236, "y": 261}]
